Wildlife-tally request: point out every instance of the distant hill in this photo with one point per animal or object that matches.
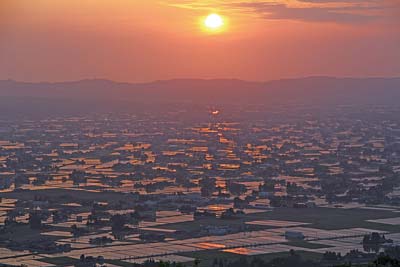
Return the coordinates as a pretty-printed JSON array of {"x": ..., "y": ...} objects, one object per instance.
[{"x": 310, "y": 90}]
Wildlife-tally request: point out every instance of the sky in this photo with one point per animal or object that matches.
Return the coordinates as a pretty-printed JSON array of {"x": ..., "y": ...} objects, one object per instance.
[{"x": 147, "y": 40}]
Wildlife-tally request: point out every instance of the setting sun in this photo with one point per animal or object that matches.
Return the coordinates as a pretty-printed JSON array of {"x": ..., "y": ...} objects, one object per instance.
[{"x": 214, "y": 22}]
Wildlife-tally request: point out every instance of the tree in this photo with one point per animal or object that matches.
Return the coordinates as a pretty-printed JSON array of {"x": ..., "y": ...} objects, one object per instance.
[
  {"x": 78, "y": 177},
  {"x": 207, "y": 186},
  {"x": 236, "y": 188},
  {"x": 35, "y": 221},
  {"x": 118, "y": 223},
  {"x": 386, "y": 261}
]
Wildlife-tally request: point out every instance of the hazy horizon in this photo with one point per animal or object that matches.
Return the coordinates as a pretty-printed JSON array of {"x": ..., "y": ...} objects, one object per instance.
[{"x": 206, "y": 79}]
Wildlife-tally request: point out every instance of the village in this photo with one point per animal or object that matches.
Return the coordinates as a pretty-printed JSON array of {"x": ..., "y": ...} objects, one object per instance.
[{"x": 120, "y": 189}]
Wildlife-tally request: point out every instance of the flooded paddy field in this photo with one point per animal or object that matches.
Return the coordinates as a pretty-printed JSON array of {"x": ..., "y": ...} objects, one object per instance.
[{"x": 126, "y": 189}]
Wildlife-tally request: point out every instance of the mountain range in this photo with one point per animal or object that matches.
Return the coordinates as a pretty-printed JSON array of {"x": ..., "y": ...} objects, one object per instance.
[{"x": 310, "y": 90}]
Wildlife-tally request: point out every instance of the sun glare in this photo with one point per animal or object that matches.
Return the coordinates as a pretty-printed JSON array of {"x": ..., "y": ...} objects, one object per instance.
[{"x": 214, "y": 22}]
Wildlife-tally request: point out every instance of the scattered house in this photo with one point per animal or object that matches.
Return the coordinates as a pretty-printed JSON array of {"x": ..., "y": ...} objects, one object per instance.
[
  {"x": 232, "y": 214},
  {"x": 198, "y": 215},
  {"x": 294, "y": 235},
  {"x": 217, "y": 230}
]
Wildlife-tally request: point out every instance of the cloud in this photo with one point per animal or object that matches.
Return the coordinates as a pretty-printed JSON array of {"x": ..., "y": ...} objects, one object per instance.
[
  {"x": 190, "y": 4},
  {"x": 275, "y": 11},
  {"x": 337, "y": 11}
]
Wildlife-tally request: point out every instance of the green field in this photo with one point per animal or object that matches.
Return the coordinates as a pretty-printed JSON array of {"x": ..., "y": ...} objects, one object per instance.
[{"x": 304, "y": 244}]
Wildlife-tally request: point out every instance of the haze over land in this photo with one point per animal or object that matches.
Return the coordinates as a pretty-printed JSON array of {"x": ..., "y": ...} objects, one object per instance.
[{"x": 303, "y": 90}]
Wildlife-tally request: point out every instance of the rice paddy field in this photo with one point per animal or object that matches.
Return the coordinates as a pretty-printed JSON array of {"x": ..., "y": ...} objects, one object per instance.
[{"x": 261, "y": 243}]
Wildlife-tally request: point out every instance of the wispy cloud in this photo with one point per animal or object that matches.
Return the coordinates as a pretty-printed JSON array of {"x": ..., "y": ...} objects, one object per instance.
[
  {"x": 192, "y": 4},
  {"x": 338, "y": 11},
  {"x": 278, "y": 11}
]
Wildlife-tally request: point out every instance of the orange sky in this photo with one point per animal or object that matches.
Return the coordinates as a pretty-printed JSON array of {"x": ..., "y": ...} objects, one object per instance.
[{"x": 144, "y": 40}]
